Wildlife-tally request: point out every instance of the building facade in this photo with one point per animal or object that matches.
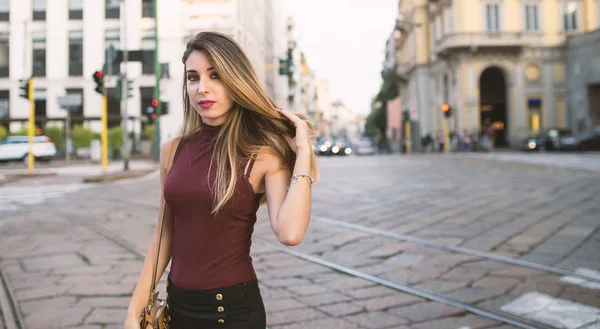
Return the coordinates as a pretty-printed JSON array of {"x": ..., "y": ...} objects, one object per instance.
[
  {"x": 583, "y": 76},
  {"x": 502, "y": 64},
  {"x": 61, "y": 45}
]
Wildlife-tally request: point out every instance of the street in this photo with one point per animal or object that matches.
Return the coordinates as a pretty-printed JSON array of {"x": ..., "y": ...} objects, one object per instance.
[{"x": 397, "y": 242}]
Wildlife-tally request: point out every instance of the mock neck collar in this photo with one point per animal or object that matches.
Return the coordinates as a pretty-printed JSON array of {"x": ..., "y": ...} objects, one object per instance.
[{"x": 209, "y": 132}]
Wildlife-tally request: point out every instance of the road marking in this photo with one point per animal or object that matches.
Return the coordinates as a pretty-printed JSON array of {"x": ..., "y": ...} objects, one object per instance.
[
  {"x": 583, "y": 282},
  {"x": 559, "y": 313}
]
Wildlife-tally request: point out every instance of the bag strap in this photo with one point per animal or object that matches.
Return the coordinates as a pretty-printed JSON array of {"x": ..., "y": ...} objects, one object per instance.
[{"x": 162, "y": 222}]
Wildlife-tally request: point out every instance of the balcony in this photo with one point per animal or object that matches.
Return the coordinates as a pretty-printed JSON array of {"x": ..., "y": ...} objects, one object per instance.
[
  {"x": 479, "y": 40},
  {"x": 402, "y": 69}
]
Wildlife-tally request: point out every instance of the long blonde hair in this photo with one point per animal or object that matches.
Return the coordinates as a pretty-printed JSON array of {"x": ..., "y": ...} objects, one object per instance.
[{"x": 253, "y": 120}]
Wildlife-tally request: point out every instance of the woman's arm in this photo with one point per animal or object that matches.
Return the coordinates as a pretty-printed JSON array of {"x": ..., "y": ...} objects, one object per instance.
[
  {"x": 289, "y": 210},
  {"x": 142, "y": 288}
]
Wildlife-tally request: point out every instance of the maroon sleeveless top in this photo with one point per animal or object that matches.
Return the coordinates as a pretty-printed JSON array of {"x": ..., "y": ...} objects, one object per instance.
[{"x": 209, "y": 251}]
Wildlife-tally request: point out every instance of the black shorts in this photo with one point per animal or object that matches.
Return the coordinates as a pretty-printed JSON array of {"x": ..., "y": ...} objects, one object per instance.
[{"x": 236, "y": 307}]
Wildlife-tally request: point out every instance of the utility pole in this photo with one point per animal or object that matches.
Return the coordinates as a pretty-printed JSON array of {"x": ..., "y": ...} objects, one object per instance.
[
  {"x": 124, "y": 114},
  {"x": 31, "y": 158},
  {"x": 157, "y": 74}
]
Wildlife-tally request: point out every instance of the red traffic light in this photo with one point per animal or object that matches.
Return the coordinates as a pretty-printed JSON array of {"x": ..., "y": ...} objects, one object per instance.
[
  {"x": 445, "y": 108},
  {"x": 98, "y": 74},
  {"x": 40, "y": 131},
  {"x": 153, "y": 115},
  {"x": 154, "y": 103}
]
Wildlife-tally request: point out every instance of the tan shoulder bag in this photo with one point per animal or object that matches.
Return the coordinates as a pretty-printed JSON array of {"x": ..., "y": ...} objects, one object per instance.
[{"x": 155, "y": 314}]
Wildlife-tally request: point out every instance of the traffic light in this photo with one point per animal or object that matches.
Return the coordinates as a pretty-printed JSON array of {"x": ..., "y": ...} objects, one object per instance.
[
  {"x": 99, "y": 80},
  {"x": 25, "y": 88},
  {"x": 164, "y": 107},
  {"x": 447, "y": 110},
  {"x": 129, "y": 88},
  {"x": 283, "y": 66}
]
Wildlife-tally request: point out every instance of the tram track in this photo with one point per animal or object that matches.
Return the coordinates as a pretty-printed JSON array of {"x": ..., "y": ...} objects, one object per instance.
[
  {"x": 10, "y": 315},
  {"x": 494, "y": 315}
]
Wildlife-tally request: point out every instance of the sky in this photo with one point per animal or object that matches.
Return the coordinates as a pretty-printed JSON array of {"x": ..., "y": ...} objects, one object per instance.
[{"x": 344, "y": 42}]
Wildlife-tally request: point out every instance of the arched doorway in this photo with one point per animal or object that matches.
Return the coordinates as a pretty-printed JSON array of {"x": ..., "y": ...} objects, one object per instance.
[{"x": 492, "y": 100}]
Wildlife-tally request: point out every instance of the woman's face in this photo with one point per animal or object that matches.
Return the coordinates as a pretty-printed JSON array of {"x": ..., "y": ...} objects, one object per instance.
[{"x": 207, "y": 92}]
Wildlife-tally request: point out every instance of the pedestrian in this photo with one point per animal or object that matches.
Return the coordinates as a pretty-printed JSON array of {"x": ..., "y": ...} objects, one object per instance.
[{"x": 235, "y": 152}]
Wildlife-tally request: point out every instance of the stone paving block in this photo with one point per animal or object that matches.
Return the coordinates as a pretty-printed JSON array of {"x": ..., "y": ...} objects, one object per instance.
[
  {"x": 47, "y": 304},
  {"x": 56, "y": 318},
  {"x": 107, "y": 316},
  {"x": 425, "y": 311},
  {"x": 383, "y": 303},
  {"x": 324, "y": 299},
  {"x": 49, "y": 262},
  {"x": 39, "y": 293},
  {"x": 307, "y": 289},
  {"x": 474, "y": 295},
  {"x": 102, "y": 290},
  {"x": 292, "y": 316},
  {"x": 274, "y": 293},
  {"x": 375, "y": 320},
  {"x": 103, "y": 302},
  {"x": 319, "y": 323},
  {"x": 468, "y": 321},
  {"x": 365, "y": 293},
  {"x": 344, "y": 283},
  {"x": 285, "y": 282},
  {"x": 284, "y": 304},
  {"x": 497, "y": 282},
  {"x": 298, "y": 270},
  {"x": 94, "y": 270},
  {"x": 342, "y": 309}
]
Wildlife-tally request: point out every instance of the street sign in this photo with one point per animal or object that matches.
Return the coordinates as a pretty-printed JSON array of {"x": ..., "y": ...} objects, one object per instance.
[
  {"x": 70, "y": 102},
  {"x": 4, "y": 110},
  {"x": 414, "y": 115}
]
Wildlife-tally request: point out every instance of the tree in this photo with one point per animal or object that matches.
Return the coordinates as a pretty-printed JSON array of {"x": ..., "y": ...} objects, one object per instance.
[{"x": 376, "y": 123}]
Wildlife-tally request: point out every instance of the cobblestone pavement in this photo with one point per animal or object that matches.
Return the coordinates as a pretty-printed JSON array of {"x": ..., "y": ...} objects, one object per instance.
[{"x": 66, "y": 275}]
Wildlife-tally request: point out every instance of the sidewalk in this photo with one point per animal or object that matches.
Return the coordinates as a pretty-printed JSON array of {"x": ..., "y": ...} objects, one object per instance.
[{"x": 78, "y": 169}]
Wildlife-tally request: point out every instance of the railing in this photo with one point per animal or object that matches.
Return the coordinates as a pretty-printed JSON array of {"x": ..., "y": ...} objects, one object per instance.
[{"x": 479, "y": 39}]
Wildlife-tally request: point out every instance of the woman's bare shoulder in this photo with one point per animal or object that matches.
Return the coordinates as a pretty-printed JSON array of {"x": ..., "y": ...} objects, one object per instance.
[{"x": 167, "y": 149}]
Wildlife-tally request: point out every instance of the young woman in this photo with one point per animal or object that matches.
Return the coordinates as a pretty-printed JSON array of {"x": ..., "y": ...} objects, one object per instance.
[{"x": 236, "y": 151}]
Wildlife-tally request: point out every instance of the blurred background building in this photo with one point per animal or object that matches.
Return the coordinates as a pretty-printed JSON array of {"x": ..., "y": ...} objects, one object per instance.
[
  {"x": 498, "y": 63},
  {"x": 61, "y": 43}
]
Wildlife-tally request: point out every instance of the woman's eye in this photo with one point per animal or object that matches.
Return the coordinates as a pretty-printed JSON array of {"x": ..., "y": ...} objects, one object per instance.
[
  {"x": 214, "y": 76},
  {"x": 192, "y": 77}
]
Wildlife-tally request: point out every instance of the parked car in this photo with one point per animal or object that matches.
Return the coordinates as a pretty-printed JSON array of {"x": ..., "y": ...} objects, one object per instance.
[
  {"x": 365, "y": 147},
  {"x": 588, "y": 141},
  {"x": 14, "y": 148},
  {"x": 327, "y": 147},
  {"x": 552, "y": 139}
]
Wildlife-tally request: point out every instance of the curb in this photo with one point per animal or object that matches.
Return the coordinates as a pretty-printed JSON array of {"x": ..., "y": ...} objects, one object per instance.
[
  {"x": 111, "y": 177},
  {"x": 11, "y": 178}
]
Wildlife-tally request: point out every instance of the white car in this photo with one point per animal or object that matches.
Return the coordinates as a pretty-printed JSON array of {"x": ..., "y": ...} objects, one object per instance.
[
  {"x": 365, "y": 147},
  {"x": 17, "y": 148}
]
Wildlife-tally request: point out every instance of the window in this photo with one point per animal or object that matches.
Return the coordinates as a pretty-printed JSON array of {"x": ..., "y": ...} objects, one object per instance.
[
  {"x": 148, "y": 55},
  {"x": 4, "y": 10},
  {"x": 4, "y": 57},
  {"x": 570, "y": 16},
  {"x": 4, "y": 104},
  {"x": 493, "y": 17},
  {"x": 532, "y": 17},
  {"x": 76, "y": 54},
  {"x": 39, "y": 57},
  {"x": 451, "y": 19},
  {"x": 442, "y": 24},
  {"x": 39, "y": 10},
  {"x": 112, "y": 9},
  {"x": 148, "y": 8},
  {"x": 76, "y": 115},
  {"x": 112, "y": 46},
  {"x": 75, "y": 9}
]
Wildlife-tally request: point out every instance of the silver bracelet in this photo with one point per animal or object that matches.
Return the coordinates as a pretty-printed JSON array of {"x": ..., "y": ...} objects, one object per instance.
[{"x": 295, "y": 178}]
